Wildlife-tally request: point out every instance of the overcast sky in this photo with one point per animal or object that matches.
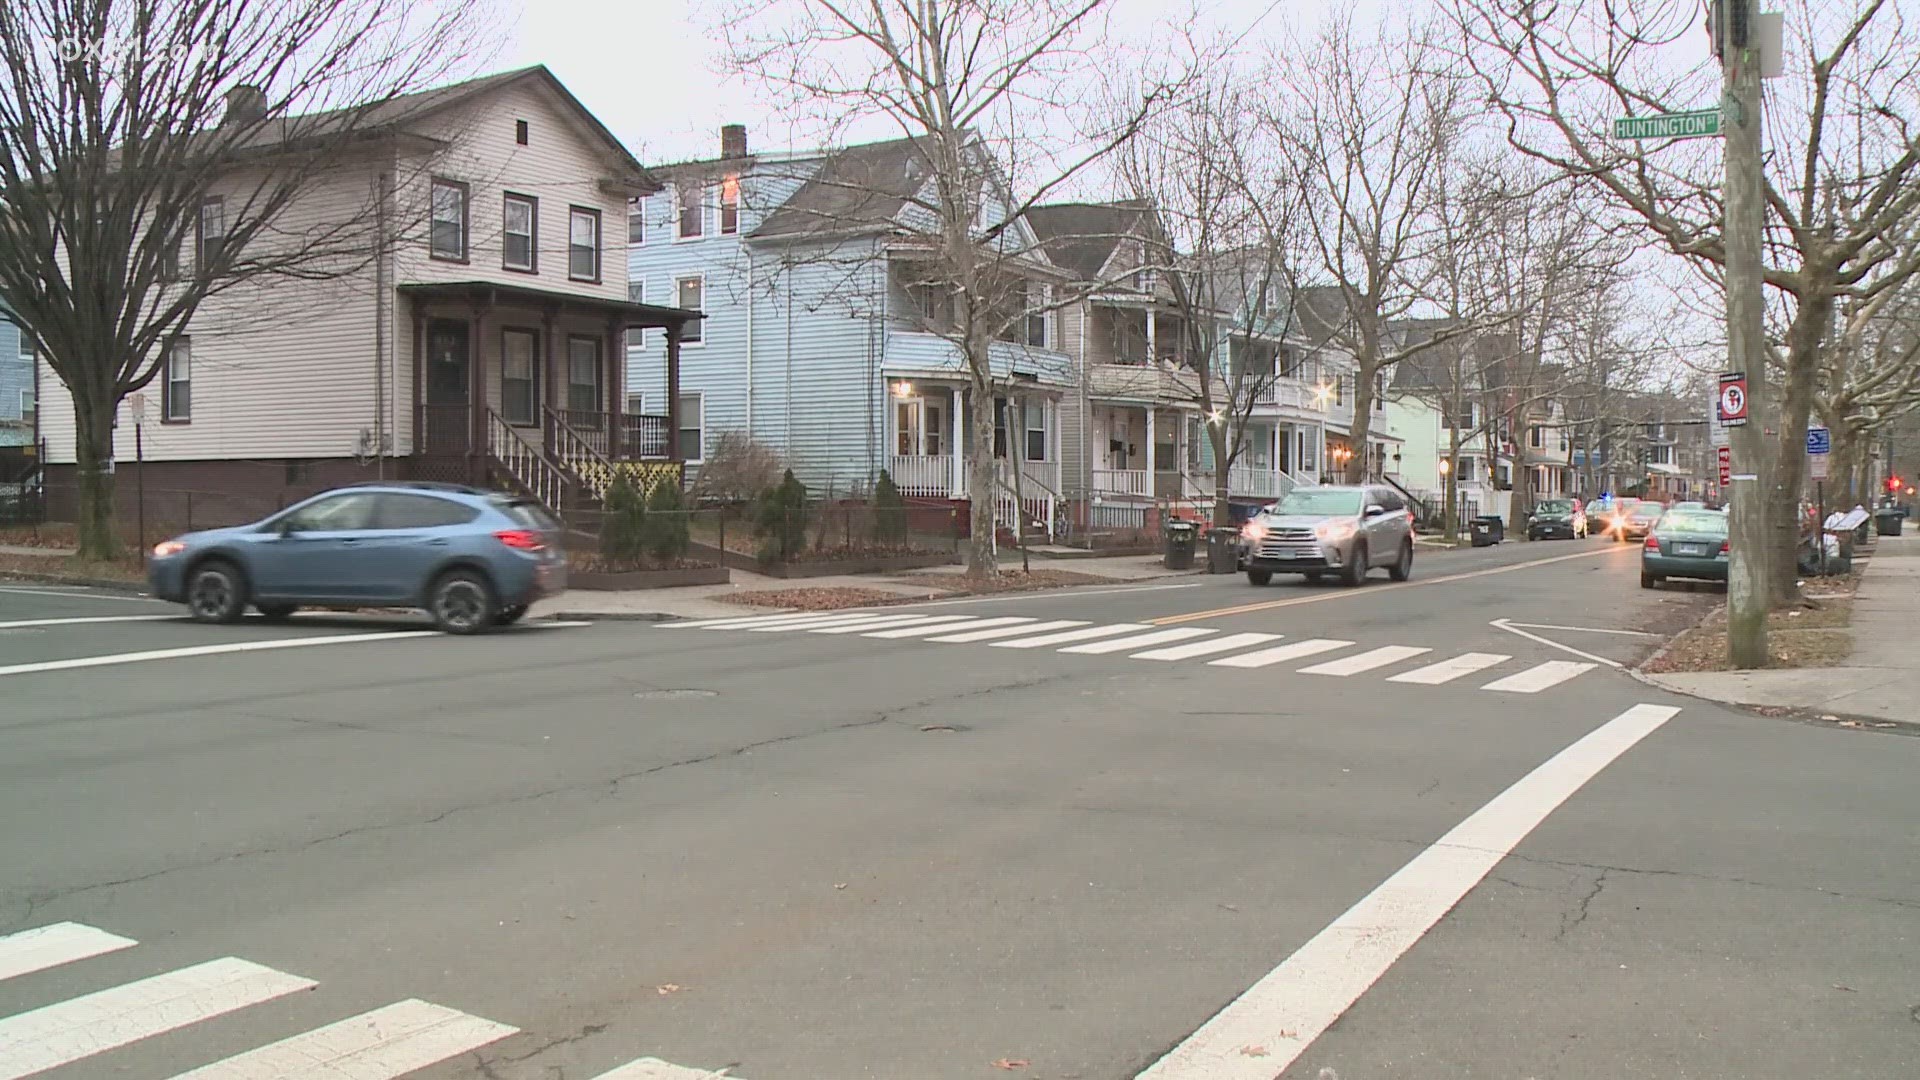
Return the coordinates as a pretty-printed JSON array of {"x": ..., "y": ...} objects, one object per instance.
[{"x": 650, "y": 69}]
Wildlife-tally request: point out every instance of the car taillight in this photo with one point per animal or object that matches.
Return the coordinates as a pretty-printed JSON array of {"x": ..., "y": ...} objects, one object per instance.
[
  {"x": 1653, "y": 542},
  {"x": 521, "y": 539},
  {"x": 1726, "y": 546}
]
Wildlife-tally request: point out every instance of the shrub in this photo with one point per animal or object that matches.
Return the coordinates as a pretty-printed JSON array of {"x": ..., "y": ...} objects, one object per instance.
[
  {"x": 889, "y": 511},
  {"x": 736, "y": 469},
  {"x": 667, "y": 535},
  {"x": 780, "y": 520},
  {"x": 623, "y": 527}
]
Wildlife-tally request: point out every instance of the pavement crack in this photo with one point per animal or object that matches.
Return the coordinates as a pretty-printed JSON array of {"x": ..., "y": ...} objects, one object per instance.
[
  {"x": 488, "y": 1065},
  {"x": 1696, "y": 876},
  {"x": 1582, "y": 907}
]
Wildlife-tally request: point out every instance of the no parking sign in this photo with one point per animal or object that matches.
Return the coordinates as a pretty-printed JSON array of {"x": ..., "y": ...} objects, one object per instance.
[{"x": 1732, "y": 403}]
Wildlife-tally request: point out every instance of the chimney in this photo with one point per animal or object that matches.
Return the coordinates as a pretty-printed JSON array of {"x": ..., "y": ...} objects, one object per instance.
[
  {"x": 245, "y": 105},
  {"x": 733, "y": 140}
]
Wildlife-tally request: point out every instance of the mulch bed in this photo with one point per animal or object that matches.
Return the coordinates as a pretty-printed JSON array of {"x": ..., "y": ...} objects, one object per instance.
[
  {"x": 1811, "y": 636},
  {"x": 1008, "y": 581},
  {"x": 821, "y": 599},
  {"x": 126, "y": 570}
]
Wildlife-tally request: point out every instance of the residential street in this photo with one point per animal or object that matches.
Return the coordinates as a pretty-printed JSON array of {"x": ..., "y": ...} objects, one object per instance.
[{"x": 1041, "y": 835}]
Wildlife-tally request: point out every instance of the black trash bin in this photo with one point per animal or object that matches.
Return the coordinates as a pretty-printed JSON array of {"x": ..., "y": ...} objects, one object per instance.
[
  {"x": 1223, "y": 551},
  {"x": 1888, "y": 521},
  {"x": 1180, "y": 539},
  {"x": 1486, "y": 530}
]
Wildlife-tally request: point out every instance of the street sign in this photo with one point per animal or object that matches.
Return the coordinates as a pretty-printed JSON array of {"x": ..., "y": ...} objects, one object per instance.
[
  {"x": 1725, "y": 453},
  {"x": 1681, "y": 125},
  {"x": 1819, "y": 441},
  {"x": 137, "y": 405},
  {"x": 1716, "y": 431},
  {"x": 1819, "y": 463},
  {"x": 1732, "y": 404}
]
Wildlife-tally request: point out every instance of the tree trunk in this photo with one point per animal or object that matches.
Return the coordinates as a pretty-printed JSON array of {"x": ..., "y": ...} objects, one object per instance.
[
  {"x": 1520, "y": 493},
  {"x": 981, "y": 562},
  {"x": 1362, "y": 425},
  {"x": 93, "y": 458},
  {"x": 1217, "y": 435},
  {"x": 1450, "y": 488},
  {"x": 1804, "y": 339}
]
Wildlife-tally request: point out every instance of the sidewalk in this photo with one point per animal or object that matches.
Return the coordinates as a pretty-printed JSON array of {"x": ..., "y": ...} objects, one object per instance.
[
  {"x": 1878, "y": 676},
  {"x": 709, "y": 601}
]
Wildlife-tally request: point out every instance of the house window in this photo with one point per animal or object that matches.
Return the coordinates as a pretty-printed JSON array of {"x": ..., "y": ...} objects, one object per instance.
[
  {"x": 583, "y": 244},
  {"x": 636, "y": 404},
  {"x": 933, "y": 424},
  {"x": 1503, "y": 476},
  {"x": 1038, "y": 296},
  {"x": 1036, "y": 426},
  {"x": 693, "y": 422},
  {"x": 518, "y": 353},
  {"x": 1537, "y": 437},
  {"x": 691, "y": 223},
  {"x": 730, "y": 204},
  {"x": 1465, "y": 471},
  {"x": 29, "y": 406},
  {"x": 176, "y": 387},
  {"x": 519, "y": 217},
  {"x": 999, "y": 427},
  {"x": 909, "y": 430},
  {"x": 691, "y": 294},
  {"x": 636, "y": 335},
  {"x": 520, "y": 132},
  {"x": 447, "y": 237},
  {"x": 583, "y": 374},
  {"x": 637, "y": 221},
  {"x": 212, "y": 230}
]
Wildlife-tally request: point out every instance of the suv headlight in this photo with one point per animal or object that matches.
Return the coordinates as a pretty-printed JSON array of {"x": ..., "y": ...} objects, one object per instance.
[
  {"x": 1333, "y": 531},
  {"x": 1252, "y": 531}
]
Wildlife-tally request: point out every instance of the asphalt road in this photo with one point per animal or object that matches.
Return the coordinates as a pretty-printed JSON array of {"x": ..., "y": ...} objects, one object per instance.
[{"x": 812, "y": 855}]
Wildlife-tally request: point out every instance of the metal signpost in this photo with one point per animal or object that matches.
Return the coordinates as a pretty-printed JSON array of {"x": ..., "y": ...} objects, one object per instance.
[
  {"x": 137, "y": 405},
  {"x": 1819, "y": 448}
]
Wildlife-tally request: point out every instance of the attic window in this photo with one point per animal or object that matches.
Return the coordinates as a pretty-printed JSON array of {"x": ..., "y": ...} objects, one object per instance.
[{"x": 520, "y": 132}]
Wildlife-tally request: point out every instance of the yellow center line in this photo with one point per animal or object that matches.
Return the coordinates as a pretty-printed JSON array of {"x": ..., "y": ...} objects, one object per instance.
[{"x": 1348, "y": 594}]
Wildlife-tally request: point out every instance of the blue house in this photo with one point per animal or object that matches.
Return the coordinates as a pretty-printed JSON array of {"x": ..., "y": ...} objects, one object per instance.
[
  {"x": 823, "y": 339},
  {"x": 19, "y": 405}
]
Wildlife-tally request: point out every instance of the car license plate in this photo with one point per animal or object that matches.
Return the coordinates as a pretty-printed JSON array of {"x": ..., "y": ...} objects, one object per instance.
[{"x": 1690, "y": 549}]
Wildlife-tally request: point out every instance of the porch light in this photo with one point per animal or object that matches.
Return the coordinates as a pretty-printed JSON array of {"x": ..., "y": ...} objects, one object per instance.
[
  {"x": 1323, "y": 392},
  {"x": 903, "y": 389}
]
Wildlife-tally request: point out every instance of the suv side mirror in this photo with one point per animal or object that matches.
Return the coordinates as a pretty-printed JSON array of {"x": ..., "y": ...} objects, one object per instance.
[
  {"x": 286, "y": 526},
  {"x": 1374, "y": 509}
]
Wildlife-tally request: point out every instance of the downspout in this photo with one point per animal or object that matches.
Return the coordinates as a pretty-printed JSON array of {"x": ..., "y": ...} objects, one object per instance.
[
  {"x": 787, "y": 437},
  {"x": 748, "y": 252},
  {"x": 380, "y": 366}
]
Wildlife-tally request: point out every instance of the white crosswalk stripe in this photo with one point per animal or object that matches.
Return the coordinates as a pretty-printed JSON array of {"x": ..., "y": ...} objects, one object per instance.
[
  {"x": 1448, "y": 670},
  {"x": 50, "y": 946},
  {"x": 1247, "y": 650},
  {"x": 392, "y": 1041},
  {"x": 1205, "y": 648},
  {"x": 1366, "y": 661},
  {"x": 1540, "y": 677},
  {"x": 1140, "y": 641},
  {"x": 1066, "y": 637},
  {"x": 383, "y": 1044},
  {"x": 45, "y": 1038}
]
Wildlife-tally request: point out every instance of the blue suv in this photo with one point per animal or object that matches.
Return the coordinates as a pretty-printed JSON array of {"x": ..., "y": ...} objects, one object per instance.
[{"x": 472, "y": 559}]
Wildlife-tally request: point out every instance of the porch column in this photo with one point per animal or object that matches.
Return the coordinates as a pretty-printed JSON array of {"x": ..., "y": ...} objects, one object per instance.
[
  {"x": 959, "y": 443},
  {"x": 615, "y": 383},
  {"x": 420, "y": 421},
  {"x": 673, "y": 391},
  {"x": 477, "y": 401},
  {"x": 1152, "y": 355},
  {"x": 551, "y": 361},
  {"x": 1152, "y": 417}
]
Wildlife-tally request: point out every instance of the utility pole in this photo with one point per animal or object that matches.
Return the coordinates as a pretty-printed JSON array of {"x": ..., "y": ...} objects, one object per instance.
[{"x": 1747, "y": 592}]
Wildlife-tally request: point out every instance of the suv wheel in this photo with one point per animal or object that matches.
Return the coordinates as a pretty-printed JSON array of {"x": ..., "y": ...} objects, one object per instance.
[
  {"x": 509, "y": 615},
  {"x": 216, "y": 592},
  {"x": 461, "y": 602},
  {"x": 1259, "y": 577},
  {"x": 1356, "y": 569},
  {"x": 1403, "y": 569}
]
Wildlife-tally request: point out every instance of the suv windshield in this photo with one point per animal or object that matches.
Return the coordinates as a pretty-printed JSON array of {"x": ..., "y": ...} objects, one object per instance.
[
  {"x": 1319, "y": 502},
  {"x": 1555, "y": 506}
]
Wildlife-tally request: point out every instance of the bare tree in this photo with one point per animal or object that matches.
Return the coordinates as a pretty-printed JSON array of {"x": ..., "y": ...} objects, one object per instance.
[
  {"x": 973, "y": 88},
  {"x": 118, "y": 120},
  {"x": 1228, "y": 212},
  {"x": 1372, "y": 122},
  {"x": 1841, "y": 185},
  {"x": 1869, "y": 378}
]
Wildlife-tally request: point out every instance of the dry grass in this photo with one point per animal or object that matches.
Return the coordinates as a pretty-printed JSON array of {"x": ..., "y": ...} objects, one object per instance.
[
  {"x": 938, "y": 586},
  {"x": 127, "y": 569},
  {"x": 816, "y": 599},
  {"x": 1008, "y": 581},
  {"x": 1805, "y": 637}
]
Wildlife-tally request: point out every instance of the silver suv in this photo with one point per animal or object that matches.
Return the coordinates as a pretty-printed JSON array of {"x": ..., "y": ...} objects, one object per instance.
[{"x": 1322, "y": 530}]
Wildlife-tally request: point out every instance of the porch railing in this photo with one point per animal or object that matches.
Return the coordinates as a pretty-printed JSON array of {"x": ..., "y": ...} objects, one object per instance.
[
  {"x": 523, "y": 460},
  {"x": 927, "y": 476},
  {"x": 617, "y": 437},
  {"x": 1255, "y": 482},
  {"x": 1123, "y": 481},
  {"x": 1036, "y": 477}
]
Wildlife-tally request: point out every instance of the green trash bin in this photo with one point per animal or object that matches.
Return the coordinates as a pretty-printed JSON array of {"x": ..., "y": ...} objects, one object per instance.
[
  {"x": 1181, "y": 536},
  {"x": 1887, "y": 519}
]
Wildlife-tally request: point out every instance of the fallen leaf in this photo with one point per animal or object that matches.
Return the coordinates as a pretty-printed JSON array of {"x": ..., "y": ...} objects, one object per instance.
[
  {"x": 1851, "y": 723},
  {"x": 667, "y": 988},
  {"x": 840, "y": 885},
  {"x": 1253, "y": 1051},
  {"x": 939, "y": 727},
  {"x": 1848, "y": 989},
  {"x": 1010, "y": 1064},
  {"x": 1229, "y": 907}
]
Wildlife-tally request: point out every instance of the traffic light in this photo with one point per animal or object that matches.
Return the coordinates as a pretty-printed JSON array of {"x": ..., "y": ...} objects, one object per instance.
[{"x": 1894, "y": 483}]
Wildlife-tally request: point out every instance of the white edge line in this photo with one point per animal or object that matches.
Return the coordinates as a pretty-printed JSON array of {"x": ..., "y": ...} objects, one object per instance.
[
  {"x": 1552, "y": 644},
  {"x": 136, "y": 597},
  {"x": 113, "y": 659},
  {"x": 87, "y": 620},
  {"x": 1581, "y": 629},
  {"x": 1292, "y": 1005}
]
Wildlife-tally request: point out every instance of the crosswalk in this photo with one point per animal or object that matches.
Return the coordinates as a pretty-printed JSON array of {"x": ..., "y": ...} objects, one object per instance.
[
  {"x": 382, "y": 1044},
  {"x": 1332, "y": 657}
]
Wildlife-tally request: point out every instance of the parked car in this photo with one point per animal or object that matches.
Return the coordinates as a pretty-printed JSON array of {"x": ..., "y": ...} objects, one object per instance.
[
  {"x": 1320, "y": 530},
  {"x": 1631, "y": 519},
  {"x": 1557, "y": 518},
  {"x": 1685, "y": 544},
  {"x": 472, "y": 559}
]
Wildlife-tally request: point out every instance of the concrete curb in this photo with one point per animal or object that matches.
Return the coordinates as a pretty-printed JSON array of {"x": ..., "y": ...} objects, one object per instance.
[
  {"x": 70, "y": 579},
  {"x": 618, "y": 616}
]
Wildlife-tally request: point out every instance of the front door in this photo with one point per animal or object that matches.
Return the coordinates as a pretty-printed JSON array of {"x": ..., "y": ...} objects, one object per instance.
[{"x": 446, "y": 425}]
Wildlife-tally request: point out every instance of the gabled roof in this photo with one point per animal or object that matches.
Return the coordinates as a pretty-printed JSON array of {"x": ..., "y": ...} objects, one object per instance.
[
  {"x": 396, "y": 114},
  {"x": 1082, "y": 237},
  {"x": 853, "y": 189}
]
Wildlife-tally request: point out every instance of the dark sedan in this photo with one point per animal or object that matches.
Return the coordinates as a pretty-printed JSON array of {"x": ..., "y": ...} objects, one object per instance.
[{"x": 1685, "y": 544}]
